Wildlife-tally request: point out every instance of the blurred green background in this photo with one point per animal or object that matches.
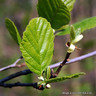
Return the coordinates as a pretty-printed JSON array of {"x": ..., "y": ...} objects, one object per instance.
[{"x": 21, "y": 11}]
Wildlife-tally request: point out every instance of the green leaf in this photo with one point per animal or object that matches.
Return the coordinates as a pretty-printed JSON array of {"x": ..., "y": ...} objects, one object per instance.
[
  {"x": 37, "y": 45},
  {"x": 84, "y": 25},
  {"x": 69, "y": 4},
  {"x": 58, "y": 79},
  {"x": 55, "y": 11},
  {"x": 13, "y": 30}
]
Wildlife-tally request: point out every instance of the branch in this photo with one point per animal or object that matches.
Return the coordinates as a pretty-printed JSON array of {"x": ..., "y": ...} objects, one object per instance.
[
  {"x": 13, "y": 65},
  {"x": 18, "y": 84},
  {"x": 25, "y": 72},
  {"x": 61, "y": 65},
  {"x": 75, "y": 59}
]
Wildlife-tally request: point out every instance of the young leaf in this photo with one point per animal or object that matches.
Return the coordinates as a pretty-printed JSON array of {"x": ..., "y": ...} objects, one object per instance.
[
  {"x": 83, "y": 25},
  {"x": 58, "y": 79},
  {"x": 37, "y": 45},
  {"x": 75, "y": 35},
  {"x": 72, "y": 33},
  {"x": 13, "y": 30},
  {"x": 69, "y": 4},
  {"x": 47, "y": 73},
  {"x": 55, "y": 11}
]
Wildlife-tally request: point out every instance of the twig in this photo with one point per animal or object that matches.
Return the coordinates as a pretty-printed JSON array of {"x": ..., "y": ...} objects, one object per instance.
[
  {"x": 59, "y": 31},
  {"x": 61, "y": 65},
  {"x": 18, "y": 84},
  {"x": 24, "y": 72},
  {"x": 13, "y": 65},
  {"x": 74, "y": 60}
]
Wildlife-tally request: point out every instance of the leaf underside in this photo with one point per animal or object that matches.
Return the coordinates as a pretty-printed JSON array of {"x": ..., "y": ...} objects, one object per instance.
[
  {"x": 69, "y": 4},
  {"x": 13, "y": 30},
  {"x": 84, "y": 25},
  {"x": 55, "y": 11},
  {"x": 37, "y": 45}
]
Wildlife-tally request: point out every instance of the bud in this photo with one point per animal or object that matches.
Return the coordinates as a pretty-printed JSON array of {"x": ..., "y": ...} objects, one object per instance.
[
  {"x": 71, "y": 48},
  {"x": 41, "y": 78},
  {"x": 77, "y": 39},
  {"x": 48, "y": 72},
  {"x": 48, "y": 86},
  {"x": 72, "y": 33}
]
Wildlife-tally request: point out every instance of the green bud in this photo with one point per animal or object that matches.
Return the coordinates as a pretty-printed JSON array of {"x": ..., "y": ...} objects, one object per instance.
[
  {"x": 41, "y": 78},
  {"x": 75, "y": 35},
  {"x": 72, "y": 33},
  {"x": 48, "y": 72},
  {"x": 77, "y": 39},
  {"x": 71, "y": 48}
]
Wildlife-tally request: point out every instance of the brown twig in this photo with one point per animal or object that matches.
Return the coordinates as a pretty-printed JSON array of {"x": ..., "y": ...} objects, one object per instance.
[
  {"x": 75, "y": 59},
  {"x": 61, "y": 65}
]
